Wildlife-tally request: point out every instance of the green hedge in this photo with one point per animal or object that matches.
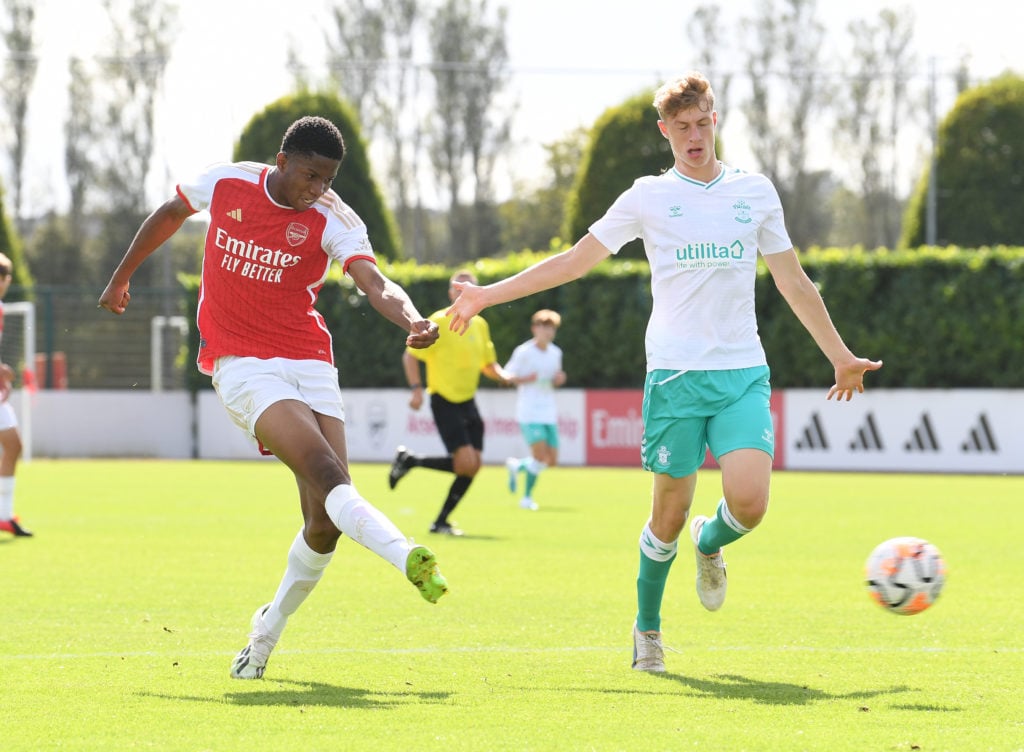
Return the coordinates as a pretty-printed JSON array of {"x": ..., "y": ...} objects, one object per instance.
[{"x": 939, "y": 318}]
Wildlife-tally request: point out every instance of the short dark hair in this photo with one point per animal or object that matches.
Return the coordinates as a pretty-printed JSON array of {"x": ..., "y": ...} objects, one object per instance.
[{"x": 314, "y": 135}]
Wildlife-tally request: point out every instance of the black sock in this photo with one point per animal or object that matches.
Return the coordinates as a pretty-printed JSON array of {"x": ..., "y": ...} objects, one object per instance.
[
  {"x": 433, "y": 463},
  {"x": 455, "y": 494}
]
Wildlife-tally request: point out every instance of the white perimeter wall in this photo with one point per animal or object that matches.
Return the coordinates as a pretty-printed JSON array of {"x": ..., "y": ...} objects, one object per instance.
[
  {"x": 953, "y": 431},
  {"x": 82, "y": 423}
]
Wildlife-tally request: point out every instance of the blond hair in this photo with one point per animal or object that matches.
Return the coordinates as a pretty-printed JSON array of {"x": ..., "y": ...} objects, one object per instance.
[
  {"x": 691, "y": 91},
  {"x": 546, "y": 316}
]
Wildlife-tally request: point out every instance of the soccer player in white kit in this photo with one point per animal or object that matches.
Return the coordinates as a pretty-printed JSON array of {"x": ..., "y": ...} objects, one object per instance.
[
  {"x": 536, "y": 368},
  {"x": 707, "y": 385},
  {"x": 274, "y": 233}
]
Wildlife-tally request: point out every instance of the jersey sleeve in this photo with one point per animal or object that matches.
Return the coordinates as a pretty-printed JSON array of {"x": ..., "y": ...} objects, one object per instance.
[
  {"x": 420, "y": 354},
  {"x": 345, "y": 236},
  {"x": 198, "y": 192},
  {"x": 514, "y": 364},
  {"x": 622, "y": 222},
  {"x": 772, "y": 236}
]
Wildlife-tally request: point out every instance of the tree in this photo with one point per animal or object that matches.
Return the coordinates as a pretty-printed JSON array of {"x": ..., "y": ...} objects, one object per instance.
[
  {"x": 625, "y": 144},
  {"x": 141, "y": 36},
  {"x": 19, "y": 74},
  {"x": 79, "y": 138},
  {"x": 533, "y": 219},
  {"x": 467, "y": 130},
  {"x": 261, "y": 140},
  {"x": 371, "y": 62},
  {"x": 456, "y": 125},
  {"x": 787, "y": 45},
  {"x": 57, "y": 248},
  {"x": 355, "y": 59},
  {"x": 10, "y": 244},
  {"x": 870, "y": 117},
  {"x": 706, "y": 36},
  {"x": 980, "y": 170}
]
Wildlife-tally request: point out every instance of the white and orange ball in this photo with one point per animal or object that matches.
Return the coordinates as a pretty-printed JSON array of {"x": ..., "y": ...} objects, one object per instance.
[{"x": 905, "y": 575}]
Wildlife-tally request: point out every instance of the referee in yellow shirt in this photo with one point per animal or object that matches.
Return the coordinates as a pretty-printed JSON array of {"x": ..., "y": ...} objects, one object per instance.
[{"x": 454, "y": 365}]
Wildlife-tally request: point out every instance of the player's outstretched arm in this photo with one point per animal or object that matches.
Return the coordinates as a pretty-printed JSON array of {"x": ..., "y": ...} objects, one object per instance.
[
  {"x": 392, "y": 302},
  {"x": 166, "y": 220},
  {"x": 551, "y": 272},
  {"x": 805, "y": 301}
]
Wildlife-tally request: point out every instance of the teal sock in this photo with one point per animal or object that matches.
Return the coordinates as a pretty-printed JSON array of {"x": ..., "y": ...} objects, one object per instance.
[
  {"x": 656, "y": 559},
  {"x": 531, "y": 481},
  {"x": 533, "y": 468},
  {"x": 720, "y": 530}
]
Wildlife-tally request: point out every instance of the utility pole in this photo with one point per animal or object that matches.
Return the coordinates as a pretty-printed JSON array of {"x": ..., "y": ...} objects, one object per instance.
[{"x": 931, "y": 206}]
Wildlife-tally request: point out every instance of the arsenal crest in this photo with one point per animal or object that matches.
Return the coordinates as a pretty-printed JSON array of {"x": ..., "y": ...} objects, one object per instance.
[{"x": 296, "y": 234}]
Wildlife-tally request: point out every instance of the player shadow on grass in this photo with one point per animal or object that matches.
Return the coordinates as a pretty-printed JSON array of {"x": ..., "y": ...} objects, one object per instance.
[
  {"x": 735, "y": 687},
  {"x": 271, "y": 693}
]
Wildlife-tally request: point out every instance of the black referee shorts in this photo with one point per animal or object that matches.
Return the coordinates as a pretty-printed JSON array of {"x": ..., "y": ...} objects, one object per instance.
[{"x": 459, "y": 423}]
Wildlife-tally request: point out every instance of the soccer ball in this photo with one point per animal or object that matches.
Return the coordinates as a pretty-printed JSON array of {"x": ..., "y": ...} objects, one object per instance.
[{"x": 905, "y": 575}]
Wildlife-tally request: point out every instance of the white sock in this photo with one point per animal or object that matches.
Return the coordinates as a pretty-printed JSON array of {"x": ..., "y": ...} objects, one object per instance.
[
  {"x": 365, "y": 524},
  {"x": 534, "y": 465},
  {"x": 654, "y": 549},
  {"x": 729, "y": 520},
  {"x": 305, "y": 568},
  {"x": 7, "y": 497}
]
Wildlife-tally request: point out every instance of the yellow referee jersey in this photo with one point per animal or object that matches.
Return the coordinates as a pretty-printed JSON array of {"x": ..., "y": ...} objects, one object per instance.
[{"x": 454, "y": 362}]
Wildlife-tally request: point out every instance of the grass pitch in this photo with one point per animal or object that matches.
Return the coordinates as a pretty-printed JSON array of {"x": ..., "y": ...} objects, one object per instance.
[{"x": 120, "y": 619}]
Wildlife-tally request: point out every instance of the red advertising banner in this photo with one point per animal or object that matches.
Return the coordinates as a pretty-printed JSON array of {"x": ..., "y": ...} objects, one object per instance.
[{"x": 615, "y": 428}]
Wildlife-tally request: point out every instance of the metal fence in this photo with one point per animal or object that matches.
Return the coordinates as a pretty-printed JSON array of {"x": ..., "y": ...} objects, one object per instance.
[{"x": 81, "y": 346}]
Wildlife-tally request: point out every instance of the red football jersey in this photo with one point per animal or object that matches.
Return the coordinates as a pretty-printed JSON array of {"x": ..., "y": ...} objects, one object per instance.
[{"x": 264, "y": 265}]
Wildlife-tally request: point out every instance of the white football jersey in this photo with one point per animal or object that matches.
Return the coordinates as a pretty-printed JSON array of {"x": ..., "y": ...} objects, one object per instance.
[
  {"x": 535, "y": 400},
  {"x": 702, "y": 241}
]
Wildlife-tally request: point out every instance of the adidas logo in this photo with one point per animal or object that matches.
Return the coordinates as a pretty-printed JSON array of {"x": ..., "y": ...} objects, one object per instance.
[
  {"x": 867, "y": 437},
  {"x": 813, "y": 436},
  {"x": 235, "y": 214},
  {"x": 980, "y": 438},
  {"x": 922, "y": 439}
]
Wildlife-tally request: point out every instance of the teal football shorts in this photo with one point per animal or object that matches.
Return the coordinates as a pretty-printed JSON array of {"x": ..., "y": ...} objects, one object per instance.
[
  {"x": 534, "y": 432},
  {"x": 686, "y": 411}
]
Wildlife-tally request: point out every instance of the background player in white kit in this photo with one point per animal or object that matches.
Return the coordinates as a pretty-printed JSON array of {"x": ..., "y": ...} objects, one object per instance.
[
  {"x": 703, "y": 224},
  {"x": 536, "y": 367},
  {"x": 274, "y": 233},
  {"x": 10, "y": 436}
]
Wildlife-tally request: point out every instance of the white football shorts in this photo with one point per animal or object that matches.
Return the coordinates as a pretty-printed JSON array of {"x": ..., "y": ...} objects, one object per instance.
[
  {"x": 8, "y": 419},
  {"x": 248, "y": 386}
]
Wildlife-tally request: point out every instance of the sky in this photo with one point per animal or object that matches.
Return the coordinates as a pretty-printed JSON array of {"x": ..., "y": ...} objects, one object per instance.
[{"x": 569, "y": 62}]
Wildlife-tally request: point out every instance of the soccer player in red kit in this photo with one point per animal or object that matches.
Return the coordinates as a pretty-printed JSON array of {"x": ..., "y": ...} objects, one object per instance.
[
  {"x": 274, "y": 232},
  {"x": 10, "y": 436}
]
